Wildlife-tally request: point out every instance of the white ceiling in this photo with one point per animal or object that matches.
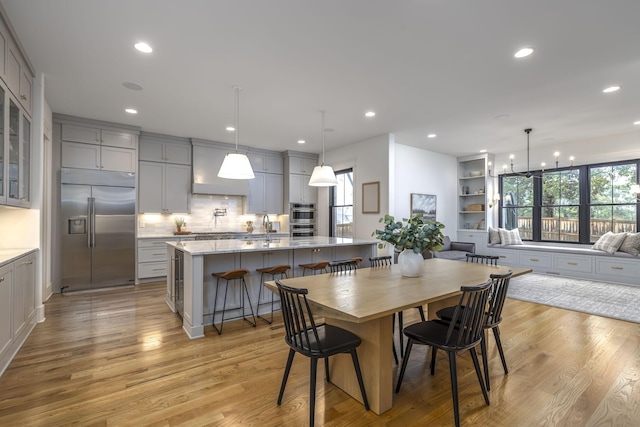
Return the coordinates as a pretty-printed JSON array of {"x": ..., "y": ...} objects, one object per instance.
[{"x": 424, "y": 66}]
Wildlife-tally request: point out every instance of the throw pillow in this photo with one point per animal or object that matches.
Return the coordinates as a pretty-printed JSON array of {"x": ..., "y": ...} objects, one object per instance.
[
  {"x": 446, "y": 244},
  {"x": 631, "y": 244},
  {"x": 509, "y": 237},
  {"x": 494, "y": 236},
  {"x": 609, "y": 242}
]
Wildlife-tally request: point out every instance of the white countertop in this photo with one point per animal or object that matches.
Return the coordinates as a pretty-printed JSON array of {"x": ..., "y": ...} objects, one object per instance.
[
  {"x": 8, "y": 255},
  {"x": 210, "y": 247}
]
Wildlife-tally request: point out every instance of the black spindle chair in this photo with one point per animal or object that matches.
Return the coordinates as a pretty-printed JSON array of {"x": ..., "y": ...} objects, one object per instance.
[
  {"x": 464, "y": 332},
  {"x": 314, "y": 341},
  {"x": 483, "y": 259}
]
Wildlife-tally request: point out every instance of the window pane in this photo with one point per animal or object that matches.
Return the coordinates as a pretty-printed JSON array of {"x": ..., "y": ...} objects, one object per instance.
[
  {"x": 610, "y": 184},
  {"x": 520, "y": 218},
  {"x": 344, "y": 221},
  {"x": 561, "y": 224},
  {"x": 341, "y": 205},
  {"x": 561, "y": 188},
  {"x": 517, "y": 191}
]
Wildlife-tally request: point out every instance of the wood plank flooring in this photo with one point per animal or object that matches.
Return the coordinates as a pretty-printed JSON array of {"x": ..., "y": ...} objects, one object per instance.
[{"x": 120, "y": 358}]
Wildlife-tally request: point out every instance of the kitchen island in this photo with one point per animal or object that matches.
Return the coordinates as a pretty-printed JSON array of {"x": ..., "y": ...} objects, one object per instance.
[{"x": 191, "y": 288}]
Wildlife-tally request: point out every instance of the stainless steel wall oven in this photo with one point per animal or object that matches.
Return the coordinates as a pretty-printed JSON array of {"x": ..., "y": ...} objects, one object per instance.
[{"x": 302, "y": 220}]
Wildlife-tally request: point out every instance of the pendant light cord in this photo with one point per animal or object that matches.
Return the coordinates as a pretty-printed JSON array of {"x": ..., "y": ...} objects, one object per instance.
[
  {"x": 237, "y": 114},
  {"x": 322, "y": 164}
]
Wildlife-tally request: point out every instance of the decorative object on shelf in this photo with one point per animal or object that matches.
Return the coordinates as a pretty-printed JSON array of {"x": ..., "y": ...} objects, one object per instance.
[
  {"x": 495, "y": 201},
  {"x": 236, "y": 165},
  {"x": 528, "y": 173},
  {"x": 475, "y": 174},
  {"x": 180, "y": 222},
  {"x": 249, "y": 227},
  {"x": 411, "y": 237},
  {"x": 371, "y": 197},
  {"x": 475, "y": 207},
  {"x": 424, "y": 205},
  {"x": 323, "y": 175}
]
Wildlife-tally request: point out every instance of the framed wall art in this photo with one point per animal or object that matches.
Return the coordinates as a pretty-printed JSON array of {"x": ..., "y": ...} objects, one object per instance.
[
  {"x": 425, "y": 205},
  {"x": 371, "y": 197}
]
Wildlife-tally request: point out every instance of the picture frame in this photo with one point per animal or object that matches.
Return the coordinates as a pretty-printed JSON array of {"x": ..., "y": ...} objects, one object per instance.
[
  {"x": 371, "y": 197},
  {"x": 424, "y": 204}
]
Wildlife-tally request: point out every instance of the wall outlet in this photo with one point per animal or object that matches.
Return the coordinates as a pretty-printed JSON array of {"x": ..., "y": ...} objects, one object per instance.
[{"x": 141, "y": 224}]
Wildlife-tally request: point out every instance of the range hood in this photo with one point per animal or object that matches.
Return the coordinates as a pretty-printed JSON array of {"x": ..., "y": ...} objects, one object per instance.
[{"x": 207, "y": 159}]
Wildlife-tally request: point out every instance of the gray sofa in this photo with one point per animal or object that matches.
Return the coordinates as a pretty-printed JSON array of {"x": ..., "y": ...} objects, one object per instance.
[{"x": 454, "y": 250}]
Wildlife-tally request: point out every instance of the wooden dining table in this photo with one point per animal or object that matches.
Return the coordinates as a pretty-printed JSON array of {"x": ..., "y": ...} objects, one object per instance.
[{"x": 364, "y": 300}]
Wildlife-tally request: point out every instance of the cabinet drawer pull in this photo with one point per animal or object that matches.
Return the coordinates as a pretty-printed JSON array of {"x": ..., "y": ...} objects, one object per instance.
[
  {"x": 534, "y": 259},
  {"x": 23, "y": 97},
  {"x": 1, "y": 279},
  {"x": 28, "y": 263},
  {"x": 503, "y": 256},
  {"x": 615, "y": 267},
  {"x": 160, "y": 254},
  {"x": 159, "y": 269},
  {"x": 572, "y": 263}
]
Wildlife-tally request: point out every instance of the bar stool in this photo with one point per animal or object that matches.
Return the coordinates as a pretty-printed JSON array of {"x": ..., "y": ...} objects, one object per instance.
[
  {"x": 278, "y": 269},
  {"x": 237, "y": 274},
  {"x": 314, "y": 266}
]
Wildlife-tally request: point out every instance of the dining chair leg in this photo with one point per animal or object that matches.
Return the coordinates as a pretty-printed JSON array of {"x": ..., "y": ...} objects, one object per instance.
[
  {"x": 393, "y": 341},
  {"x": 286, "y": 374},
  {"x": 326, "y": 369},
  {"x": 395, "y": 353},
  {"x": 405, "y": 359},
  {"x": 474, "y": 356},
  {"x": 434, "y": 350},
  {"x": 421, "y": 310},
  {"x": 400, "y": 327},
  {"x": 453, "y": 373},
  {"x": 356, "y": 365},
  {"x": 496, "y": 334},
  {"x": 485, "y": 358},
  {"x": 312, "y": 390}
]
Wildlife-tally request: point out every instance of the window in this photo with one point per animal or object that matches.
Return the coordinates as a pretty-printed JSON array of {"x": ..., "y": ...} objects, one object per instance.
[
  {"x": 612, "y": 206},
  {"x": 577, "y": 204},
  {"x": 517, "y": 205},
  {"x": 561, "y": 206},
  {"x": 341, "y": 205}
]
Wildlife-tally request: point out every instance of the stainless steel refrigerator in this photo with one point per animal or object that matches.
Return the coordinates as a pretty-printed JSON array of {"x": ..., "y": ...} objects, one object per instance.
[{"x": 98, "y": 229}]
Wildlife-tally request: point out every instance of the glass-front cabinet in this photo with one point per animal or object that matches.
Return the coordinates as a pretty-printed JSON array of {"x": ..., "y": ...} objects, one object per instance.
[{"x": 15, "y": 151}]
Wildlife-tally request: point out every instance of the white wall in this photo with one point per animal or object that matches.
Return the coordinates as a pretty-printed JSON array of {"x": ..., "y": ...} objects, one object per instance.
[
  {"x": 421, "y": 171},
  {"x": 370, "y": 162}
]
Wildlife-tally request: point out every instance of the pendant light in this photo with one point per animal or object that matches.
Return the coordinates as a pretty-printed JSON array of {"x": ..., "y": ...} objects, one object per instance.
[
  {"x": 323, "y": 175},
  {"x": 236, "y": 165}
]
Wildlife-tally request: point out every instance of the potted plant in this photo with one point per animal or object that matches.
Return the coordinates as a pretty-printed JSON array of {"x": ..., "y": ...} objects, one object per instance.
[
  {"x": 180, "y": 223},
  {"x": 411, "y": 237}
]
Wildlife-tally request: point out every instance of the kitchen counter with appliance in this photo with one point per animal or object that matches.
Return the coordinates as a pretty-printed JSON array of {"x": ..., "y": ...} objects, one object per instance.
[{"x": 191, "y": 288}]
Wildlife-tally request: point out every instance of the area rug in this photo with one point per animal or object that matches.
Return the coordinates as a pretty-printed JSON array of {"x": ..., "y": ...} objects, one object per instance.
[{"x": 599, "y": 298}]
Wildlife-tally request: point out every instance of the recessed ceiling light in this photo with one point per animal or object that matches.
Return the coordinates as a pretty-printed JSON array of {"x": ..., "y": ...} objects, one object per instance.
[
  {"x": 230, "y": 129},
  {"x": 301, "y": 141},
  {"x": 637, "y": 122},
  {"x": 143, "y": 47},
  {"x": 524, "y": 52},
  {"x": 132, "y": 85},
  {"x": 611, "y": 89},
  {"x": 483, "y": 150},
  {"x": 369, "y": 114},
  {"x": 431, "y": 135},
  {"x": 131, "y": 110}
]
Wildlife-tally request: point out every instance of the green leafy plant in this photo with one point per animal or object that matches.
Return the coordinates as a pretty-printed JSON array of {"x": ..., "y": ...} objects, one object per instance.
[
  {"x": 412, "y": 233},
  {"x": 179, "y": 220}
]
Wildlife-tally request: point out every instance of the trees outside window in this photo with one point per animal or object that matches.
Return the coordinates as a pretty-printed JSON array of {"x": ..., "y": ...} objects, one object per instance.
[
  {"x": 612, "y": 207},
  {"x": 517, "y": 205}
]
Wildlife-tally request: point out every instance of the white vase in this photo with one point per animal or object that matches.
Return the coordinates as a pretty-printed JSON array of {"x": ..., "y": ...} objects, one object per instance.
[{"x": 411, "y": 263}]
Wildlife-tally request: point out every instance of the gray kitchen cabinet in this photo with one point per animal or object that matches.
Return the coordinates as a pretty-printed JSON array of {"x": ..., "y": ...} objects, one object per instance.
[
  {"x": 300, "y": 191},
  {"x": 94, "y": 135},
  {"x": 6, "y": 304},
  {"x": 23, "y": 292},
  {"x": 265, "y": 194},
  {"x": 307, "y": 256},
  {"x": 152, "y": 256},
  {"x": 91, "y": 156},
  {"x": 16, "y": 168},
  {"x": 164, "y": 149},
  {"x": 302, "y": 165},
  {"x": 266, "y": 163},
  {"x": 17, "y": 75},
  {"x": 163, "y": 188}
]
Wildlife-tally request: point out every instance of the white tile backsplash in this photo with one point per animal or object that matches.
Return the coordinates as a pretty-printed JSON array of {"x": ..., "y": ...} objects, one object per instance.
[{"x": 202, "y": 219}]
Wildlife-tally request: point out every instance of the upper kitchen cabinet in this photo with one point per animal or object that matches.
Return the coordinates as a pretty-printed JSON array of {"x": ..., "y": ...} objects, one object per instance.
[
  {"x": 207, "y": 159},
  {"x": 298, "y": 168},
  {"x": 266, "y": 162},
  {"x": 90, "y": 144},
  {"x": 164, "y": 149},
  {"x": 266, "y": 189},
  {"x": 15, "y": 68}
]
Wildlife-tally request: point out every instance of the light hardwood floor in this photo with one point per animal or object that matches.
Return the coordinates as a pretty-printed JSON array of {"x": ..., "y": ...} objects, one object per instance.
[{"x": 119, "y": 357}]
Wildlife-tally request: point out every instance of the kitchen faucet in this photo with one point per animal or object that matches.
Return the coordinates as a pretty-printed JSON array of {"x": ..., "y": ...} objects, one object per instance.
[{"x": 266, "y": 225}]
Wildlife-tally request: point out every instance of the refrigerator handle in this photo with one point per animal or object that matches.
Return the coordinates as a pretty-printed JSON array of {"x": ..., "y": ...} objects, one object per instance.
[
  {"x": 93, "y": 222},
  {"x": 89, "y": 222}
]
